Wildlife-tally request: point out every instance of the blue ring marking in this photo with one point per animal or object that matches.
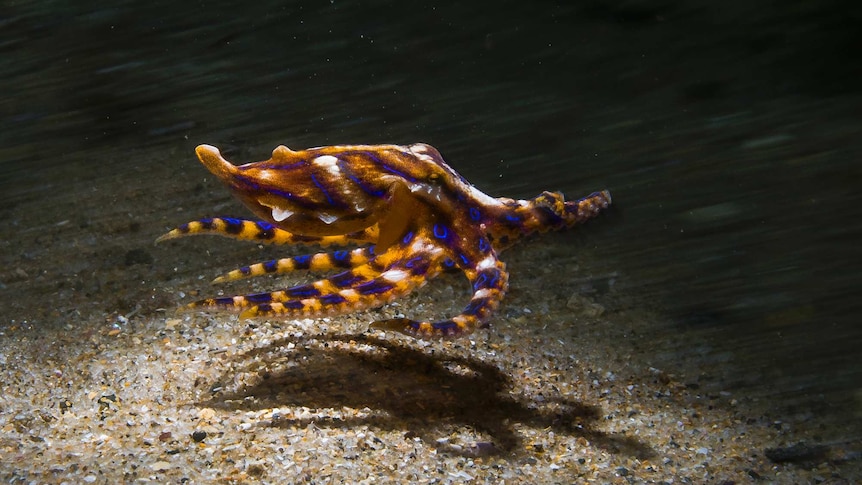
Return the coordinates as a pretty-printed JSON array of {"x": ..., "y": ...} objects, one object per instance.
[
  {"x": 475, "y": 306},
  {"x": 265, "y": 230},
  {"x": 259, "y": 298},
  {"x": 417, "y": 265},
  {"x": 304, "y": 290},
  {"x": 245, "y": 183},
  {"x": 488, "y": 278},
  {"x": 446, "y": 326},
  {"x": 484, "y": 245},
  {"x": 270, "y": 266},
  {"x": 345, "y": 279},
  {"x": 341, "y": 256},
  {"x": 245, "y": 270},
  {"x": 368, "y": 189},
  {"x": 475, "y": 215},
  {"x": 303, "y": 261},
  {"x": 232, "y": 225},
  {"x": 386, "y": 167},
  {"x": 551, "y": 217},
  {"x": 332, "y": 299},
  {"x": 373, "y": 287},
  {"x": 440, "y": 231},
  {"x": 326, "y": 194},
  {"x": 293, "y": 305},
  {"x": 448, "y": 263},
  {"x": 407, "y": 237},
  {"x": 225, "y": 300},
  {"x": 464, "y": 259},
  {"x": 480, "y": 281},
  {"x": 420, "y": 269}
]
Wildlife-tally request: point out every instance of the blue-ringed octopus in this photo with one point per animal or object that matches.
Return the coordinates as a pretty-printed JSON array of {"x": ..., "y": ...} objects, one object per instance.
[{"x": 409, "y": 213}]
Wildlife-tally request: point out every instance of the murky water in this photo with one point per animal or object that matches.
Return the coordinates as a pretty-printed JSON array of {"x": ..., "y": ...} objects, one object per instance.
[{"x": 730, "y": 141}]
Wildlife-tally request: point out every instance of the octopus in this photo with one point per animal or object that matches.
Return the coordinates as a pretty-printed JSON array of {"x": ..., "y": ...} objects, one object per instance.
[{"x": 407, "y": 214}]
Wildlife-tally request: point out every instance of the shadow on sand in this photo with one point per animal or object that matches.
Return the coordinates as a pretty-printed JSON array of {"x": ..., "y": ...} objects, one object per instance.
[{"x": 421, "y": 392}]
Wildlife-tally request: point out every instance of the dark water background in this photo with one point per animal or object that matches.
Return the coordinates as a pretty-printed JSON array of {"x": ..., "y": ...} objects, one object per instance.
[{"x": 728, "y": 133}]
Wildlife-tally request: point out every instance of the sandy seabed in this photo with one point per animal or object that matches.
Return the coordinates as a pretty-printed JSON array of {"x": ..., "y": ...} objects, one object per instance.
[{"x": 559, "y": 390}]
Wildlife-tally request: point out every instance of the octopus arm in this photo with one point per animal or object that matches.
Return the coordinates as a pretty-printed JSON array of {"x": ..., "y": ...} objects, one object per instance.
[
  {"x": 264, "y": 232},
  {"x": 472, "y": 253},
  {"x": 385, "y": 277},
  {"x": 319, "y": 262}
]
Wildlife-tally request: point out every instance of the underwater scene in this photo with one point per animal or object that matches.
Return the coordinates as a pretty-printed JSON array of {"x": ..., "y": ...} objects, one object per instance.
[{"x": 452, "y": 242}]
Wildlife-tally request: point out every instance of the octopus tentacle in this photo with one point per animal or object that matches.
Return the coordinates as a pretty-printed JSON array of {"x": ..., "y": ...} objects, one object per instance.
[
  {"x": 342, "y": 281},
  {"x": 387, "y": 286},
  {"x": 341, "y": 259},
  {"x": 489, "y": 288},
  {"x": 548, "y": 211},
  {"x": 588, "y": 207},
  {"x": 471, "y": 252},
  {"x": 264, "y": 232},
  {"x": 382, "y": 279}
]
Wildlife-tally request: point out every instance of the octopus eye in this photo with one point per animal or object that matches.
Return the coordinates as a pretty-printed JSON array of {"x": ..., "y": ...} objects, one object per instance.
[{"x": 433, "y": 178}]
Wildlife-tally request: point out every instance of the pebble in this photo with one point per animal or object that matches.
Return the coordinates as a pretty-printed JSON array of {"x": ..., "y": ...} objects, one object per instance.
[{"x": 584, "y": 306}]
